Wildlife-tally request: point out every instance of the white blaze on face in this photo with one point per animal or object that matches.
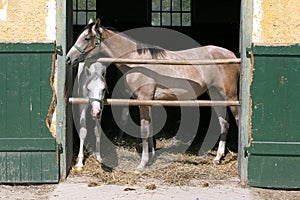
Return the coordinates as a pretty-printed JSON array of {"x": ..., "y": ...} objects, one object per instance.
[
  {"x": 96, "y": 87},
  {"x": 96, "y": 92}
]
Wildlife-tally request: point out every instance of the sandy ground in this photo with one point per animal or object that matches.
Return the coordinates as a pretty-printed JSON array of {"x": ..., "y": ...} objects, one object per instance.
[
  {"x": 81, "y": 188},
  {"x": 184, "y": 177}
]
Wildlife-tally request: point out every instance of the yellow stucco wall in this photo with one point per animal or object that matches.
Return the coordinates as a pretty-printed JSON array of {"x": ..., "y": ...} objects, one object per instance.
[
  {"x": 27, "y": 20},
  {"x": 276, "y": 21}
]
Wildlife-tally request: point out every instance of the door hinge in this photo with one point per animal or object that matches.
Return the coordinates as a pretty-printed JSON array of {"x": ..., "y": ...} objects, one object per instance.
[
  {"x": 246, "y": 152},
  {"x": 59, "y": 50},
  {"x": 60, "y": 149},
  {"x": 250, "y": 55}
]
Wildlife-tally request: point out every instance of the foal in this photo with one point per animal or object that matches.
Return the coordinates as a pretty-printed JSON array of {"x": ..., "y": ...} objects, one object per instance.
[{"x": 91, "y": 84}]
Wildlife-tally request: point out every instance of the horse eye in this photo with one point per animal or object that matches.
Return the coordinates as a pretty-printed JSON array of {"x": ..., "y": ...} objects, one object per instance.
[{"x": 87, "y": 39}]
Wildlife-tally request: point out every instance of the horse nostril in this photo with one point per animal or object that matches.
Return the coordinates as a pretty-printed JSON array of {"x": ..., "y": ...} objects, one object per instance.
[
  {"x": 99, "y": 115},
  {"x": 68, "y": 60}
]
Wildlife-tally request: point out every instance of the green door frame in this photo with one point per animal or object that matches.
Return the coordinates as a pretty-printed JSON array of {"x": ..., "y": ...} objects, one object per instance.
[
  {"x": 245, "y": 82},
  {"x": 60, "y": 93},
  {"x": 64, "y": 132}
]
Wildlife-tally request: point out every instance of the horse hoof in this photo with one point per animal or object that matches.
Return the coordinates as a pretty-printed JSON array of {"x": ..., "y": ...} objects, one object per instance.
[
  {"x": 99, "y": 160},
  {"x": 216, "y": 162},
  {"x": 138, "y": 171},
  {"x": 78, "y": 168}
]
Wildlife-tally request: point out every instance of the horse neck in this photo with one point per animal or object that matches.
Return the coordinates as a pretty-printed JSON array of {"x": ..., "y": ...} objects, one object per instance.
[{"x": 116, "y": 45}]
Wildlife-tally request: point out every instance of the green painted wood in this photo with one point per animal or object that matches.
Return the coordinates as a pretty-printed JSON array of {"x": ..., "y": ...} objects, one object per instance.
[
  {"x": 244, "y": 96},
  {"x": 8, "y": 48},
  {"x": 274, "y": 148},
  {"x": 3, "y": 156},
  {"x": 27, "y": 150},
  {"x": 28, "y": 144},
  {"x": 274, "y": 153},
  {"x": 3, "y": 102},
  {"x": 274, "y": 171},
  {"x": 26, "y": 166},
  {"x": 33, "y": 167},
  {"x": 62, "y": 136},
  {"x": 275, "y": 91},
  {"x": 13, "y": 168}
]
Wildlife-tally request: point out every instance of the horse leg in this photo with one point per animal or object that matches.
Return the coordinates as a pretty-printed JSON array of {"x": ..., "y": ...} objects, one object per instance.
[
  {"x": 222, "y": 143},
  {"x": 219, "y": 94},
  {"x": 146, "y": 134},
  {"x": 235, "y": 110},
  {"x": 98, "y": 131},
  {"x": 82, "y": 135},
  {"x": 123, "y": 121},
  {"x": 224, "y": 130}
]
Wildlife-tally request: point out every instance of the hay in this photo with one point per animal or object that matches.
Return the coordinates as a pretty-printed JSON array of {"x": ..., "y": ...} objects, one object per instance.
[
  {"x": 168, "y": 169},
  {"x": 151, "y": 186}
]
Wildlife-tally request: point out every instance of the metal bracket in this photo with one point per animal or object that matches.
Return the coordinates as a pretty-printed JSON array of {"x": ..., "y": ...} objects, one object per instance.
[
  {"x": 250, "y": 55},
  {"x": 246, "y": 152},
  {"x": 60, "y": 149},
  {"x": 59, "y": 50}
]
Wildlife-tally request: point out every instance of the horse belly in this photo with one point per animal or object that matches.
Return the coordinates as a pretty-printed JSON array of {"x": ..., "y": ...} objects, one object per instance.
[{"x": 176, "y": 94}]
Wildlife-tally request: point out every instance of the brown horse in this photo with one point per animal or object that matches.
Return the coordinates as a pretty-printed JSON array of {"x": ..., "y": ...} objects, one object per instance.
[{"x": 168, "y": 82}]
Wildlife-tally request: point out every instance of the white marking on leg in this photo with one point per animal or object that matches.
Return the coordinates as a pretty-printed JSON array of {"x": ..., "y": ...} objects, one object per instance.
[
  {"x": 82, "y": 136},
  {"x": 145, "y": 132},
  {"x": 222, "y": 144}
]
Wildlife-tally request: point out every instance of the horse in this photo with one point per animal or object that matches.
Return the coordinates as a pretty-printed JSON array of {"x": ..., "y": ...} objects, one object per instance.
[
  {"x": 168, "y": 82},
  {"x": 90, "y": 83}
]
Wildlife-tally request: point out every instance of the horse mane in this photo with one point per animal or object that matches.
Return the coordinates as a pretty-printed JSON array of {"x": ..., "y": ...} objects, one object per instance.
[
  {"x": 141, "y": 48},
  {"x": 155, "y": 51},
  {"x": 89, "y": 27}
]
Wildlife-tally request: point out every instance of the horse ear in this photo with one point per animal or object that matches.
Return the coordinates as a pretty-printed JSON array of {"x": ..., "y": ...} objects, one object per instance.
[
  {"x": 91, "y": 21},
  {"x": 97, "y": 24}
]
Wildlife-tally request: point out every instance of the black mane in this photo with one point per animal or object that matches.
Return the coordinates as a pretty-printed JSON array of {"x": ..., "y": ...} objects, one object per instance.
[
  {"x": 89, "y": 27},
  {"x": 155, "y": 51},
  {"x": 141, "y": 48}
]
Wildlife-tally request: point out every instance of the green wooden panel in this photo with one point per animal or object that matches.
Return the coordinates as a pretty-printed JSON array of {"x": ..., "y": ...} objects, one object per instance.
[
  {"x": 25, "y": 103},
  {"x": 45, "y": 93},
  {"x": 274, "y": 171},
  {"x": 28, "y": 167},
  {"x": 27, "y": 149},
  {"x": 13, "y": 167},
  {"x": 274, "y": 152},
  {"x": 274, "y": 148},
  {"x": 3, "y": 101},
  {"x": 13, "y": 96},
  {"x": 275, "y": 97},
  {"x": 3, "y": 162},
  {"x": 27, "y": 144},
  {"x": 19, "y": 48},
  {"x": 49, "y": 173},
  {"x": 36, "y": 99}
]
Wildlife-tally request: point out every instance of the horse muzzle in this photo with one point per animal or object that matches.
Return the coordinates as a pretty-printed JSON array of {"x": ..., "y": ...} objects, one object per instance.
[
  {"x": 73, "y": 57},
  {"x": 96, "y": 115}
]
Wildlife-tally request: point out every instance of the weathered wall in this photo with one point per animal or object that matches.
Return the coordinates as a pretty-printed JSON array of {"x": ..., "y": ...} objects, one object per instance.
[
  {"x": 276, "y": 21},
  {"x": 27, "y": 20}
]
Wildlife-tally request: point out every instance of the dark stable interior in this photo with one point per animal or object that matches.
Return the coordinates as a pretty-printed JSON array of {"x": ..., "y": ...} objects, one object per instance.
[{"x": 213, "y": 22}]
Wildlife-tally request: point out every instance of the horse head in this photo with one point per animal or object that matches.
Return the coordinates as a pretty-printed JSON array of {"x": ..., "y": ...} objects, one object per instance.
[
  {"x": 85, "y": 45},
  {"x": 96, "y": 88}
]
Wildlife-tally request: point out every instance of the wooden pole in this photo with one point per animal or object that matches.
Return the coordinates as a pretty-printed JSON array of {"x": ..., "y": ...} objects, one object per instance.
[
  {"x": 133, "y": 102},
  {"x": 168, "y": 62}
]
